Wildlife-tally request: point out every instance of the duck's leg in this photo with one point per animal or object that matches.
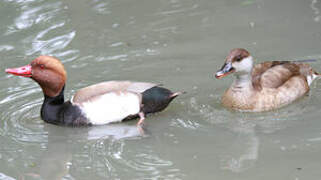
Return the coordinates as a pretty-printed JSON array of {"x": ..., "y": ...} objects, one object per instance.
[{"x": 140, "y": 123}]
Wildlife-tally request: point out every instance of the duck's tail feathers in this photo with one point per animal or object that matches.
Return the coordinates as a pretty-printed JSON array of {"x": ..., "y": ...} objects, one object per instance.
[
  {"x": 317, "y": 75},
  {"x": 312, "y": 77},
  {"x": 305, "y": 60}
]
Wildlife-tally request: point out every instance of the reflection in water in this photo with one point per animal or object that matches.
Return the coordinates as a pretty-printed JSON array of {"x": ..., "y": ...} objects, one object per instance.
[
  {"x": 57, "y": 160},
  {"x": 5, "y": 177},
  {"x": 116, "y": 131},
  {"x": 315, "y": 6},
  {"x": 243, "y": 154}
]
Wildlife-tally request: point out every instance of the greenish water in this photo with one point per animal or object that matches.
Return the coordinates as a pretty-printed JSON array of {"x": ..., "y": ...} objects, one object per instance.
[{"x": 179, "y": 44}]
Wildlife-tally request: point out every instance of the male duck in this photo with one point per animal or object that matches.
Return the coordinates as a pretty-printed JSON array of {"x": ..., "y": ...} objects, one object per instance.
[
  {"x": 103, "y": 103},
  {"x": 265, "y": 86}
]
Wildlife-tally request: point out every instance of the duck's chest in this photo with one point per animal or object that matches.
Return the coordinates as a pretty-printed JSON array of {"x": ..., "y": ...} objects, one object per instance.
[{"x": 239, "y": 99}]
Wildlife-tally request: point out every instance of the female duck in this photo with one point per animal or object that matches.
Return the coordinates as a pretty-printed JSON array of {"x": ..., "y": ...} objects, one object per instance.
[
  {"x": 265, "y": 86},
  {"x": 102, "y": 103}
]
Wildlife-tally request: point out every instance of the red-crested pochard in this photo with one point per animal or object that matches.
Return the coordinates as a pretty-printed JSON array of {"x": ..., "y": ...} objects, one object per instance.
[
  {"x": 103, "y": 103},
  {"x": 265, "y": 86}
]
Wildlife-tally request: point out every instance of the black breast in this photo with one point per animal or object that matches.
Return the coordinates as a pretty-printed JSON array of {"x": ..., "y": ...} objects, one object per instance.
[
  {"x": 55, "y": 111},
  {"x": 72, "y": 115}
]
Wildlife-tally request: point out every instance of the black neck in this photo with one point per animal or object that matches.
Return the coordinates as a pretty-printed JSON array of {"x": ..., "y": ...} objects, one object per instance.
[
  {"x": 55, "y": 111},
  {"x": 51, "y": 108}
]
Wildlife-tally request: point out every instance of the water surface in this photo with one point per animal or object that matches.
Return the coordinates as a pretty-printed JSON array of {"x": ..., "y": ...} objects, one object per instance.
[{"x": 179, "y": 44}]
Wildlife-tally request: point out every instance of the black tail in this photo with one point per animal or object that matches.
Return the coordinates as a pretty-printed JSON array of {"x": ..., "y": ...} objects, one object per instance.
[{"x": 157, "y": 99}]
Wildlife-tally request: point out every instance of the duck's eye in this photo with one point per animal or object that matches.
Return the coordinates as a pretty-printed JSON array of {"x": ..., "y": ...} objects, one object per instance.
[
  {"x": 238, "y": 58},
  {"x": 42, "y": 66}
]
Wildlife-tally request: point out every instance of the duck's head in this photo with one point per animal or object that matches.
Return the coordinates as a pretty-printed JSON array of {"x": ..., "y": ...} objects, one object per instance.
[
  {"x": 47, "y": 71},
  {"x": 239, "y": 61}
]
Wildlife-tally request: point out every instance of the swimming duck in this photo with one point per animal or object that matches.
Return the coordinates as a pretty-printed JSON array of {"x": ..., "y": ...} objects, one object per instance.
[
  {"x": 265, "y": 86},
  {"x": 103, "y": 103}
]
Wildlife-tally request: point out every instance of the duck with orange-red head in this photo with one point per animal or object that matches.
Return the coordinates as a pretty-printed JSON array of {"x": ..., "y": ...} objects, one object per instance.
[
  {"x": 103, "y": 103},
  {"x": 265, "y": 86}
]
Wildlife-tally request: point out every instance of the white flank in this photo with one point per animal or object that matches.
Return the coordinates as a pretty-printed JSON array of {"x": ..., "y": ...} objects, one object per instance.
[{"x": 111, "y": 107}]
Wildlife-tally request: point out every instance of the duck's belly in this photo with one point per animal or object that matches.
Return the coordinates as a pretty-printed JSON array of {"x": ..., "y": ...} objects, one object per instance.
[
  {"x": 238, "y": 100},
  {"x": 265, "y": 100},
  {"x": 111, "y": 107}
]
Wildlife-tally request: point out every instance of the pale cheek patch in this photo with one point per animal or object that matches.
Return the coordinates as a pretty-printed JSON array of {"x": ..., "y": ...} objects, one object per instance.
[
  {"x": 111, "y": 107},
  {"x": 245, "y": 65}
]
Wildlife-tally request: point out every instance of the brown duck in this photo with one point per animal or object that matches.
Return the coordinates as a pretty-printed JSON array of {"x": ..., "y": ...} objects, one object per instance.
[{"x": 265, "y": 86}]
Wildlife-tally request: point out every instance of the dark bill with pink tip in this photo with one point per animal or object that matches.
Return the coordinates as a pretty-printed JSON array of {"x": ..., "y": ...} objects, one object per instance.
[{"x": 224, "y": 71}]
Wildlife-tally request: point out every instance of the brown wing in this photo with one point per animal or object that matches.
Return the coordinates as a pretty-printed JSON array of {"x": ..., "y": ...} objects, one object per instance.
[
  {"x": 273, "y": 74},
  {"x": 92, "y": 91}
]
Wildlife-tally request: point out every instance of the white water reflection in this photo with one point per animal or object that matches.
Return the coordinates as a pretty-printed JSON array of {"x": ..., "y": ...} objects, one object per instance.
[
  {"x": 116, "y": 131},
  {"x": 6, "y": 48},
  {"x": 5, "y": 177},
  {"x": 46, "y": 29},
  {"x": 315, "y": 6},
  {"x": 244, "y": 153},
  {"x": 101, "y": 7},
  {"x": 34, "y": 15},
  {"x": 49, "y": 46}
]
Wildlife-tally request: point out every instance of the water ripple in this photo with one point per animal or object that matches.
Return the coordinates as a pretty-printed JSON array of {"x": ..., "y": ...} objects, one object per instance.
[
  {"x": 51, "y": 45},
  {"x": 6, "y": 48},
  {"x": 33, "y": 15},
  {"x": 21, "y": 121},
  {"x": 123, "y": 162},
  {"x": 47, "y": 29},
  {"x": 267, "y": 121},
  {"x": 101, "y": 7}
]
